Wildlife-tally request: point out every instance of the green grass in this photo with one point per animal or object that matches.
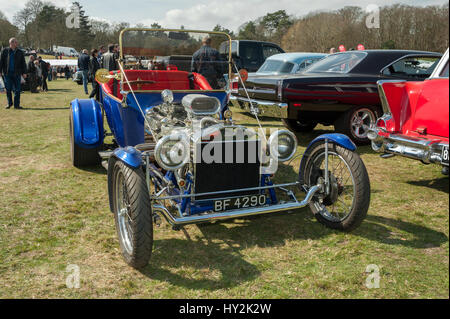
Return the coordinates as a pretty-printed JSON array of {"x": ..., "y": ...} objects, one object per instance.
[{"x": 54, "y": 215}]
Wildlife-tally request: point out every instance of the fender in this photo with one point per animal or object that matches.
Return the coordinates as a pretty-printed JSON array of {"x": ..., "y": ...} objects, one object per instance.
[
  {"x": 87, "y": 123},
  {"x": 129, "y": 155},
  {"x": 339, "y": 139}
]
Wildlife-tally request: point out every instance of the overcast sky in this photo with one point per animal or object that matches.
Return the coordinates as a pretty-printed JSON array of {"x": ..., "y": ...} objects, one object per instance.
[{"x": 201, "y": 14}]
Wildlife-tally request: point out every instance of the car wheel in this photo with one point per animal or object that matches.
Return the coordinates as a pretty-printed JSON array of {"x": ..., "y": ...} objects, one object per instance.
[
  {"x": 298, "y": 126},
  {"x": 356, "y": 123},
  {"x": 347, "y": 202},
  {"x": 132, "y": 214},
  {"x": 82, "y": 156}
]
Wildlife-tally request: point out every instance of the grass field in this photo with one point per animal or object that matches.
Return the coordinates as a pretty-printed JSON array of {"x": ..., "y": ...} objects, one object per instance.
[{"x": 54, "y": 215}]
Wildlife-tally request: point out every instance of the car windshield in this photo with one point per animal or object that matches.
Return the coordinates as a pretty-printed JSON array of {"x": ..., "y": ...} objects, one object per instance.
[
  {"x": 276, "y": 66},
  {"x": 338, "y": 63},
  {"x": 176, "y": 50}
]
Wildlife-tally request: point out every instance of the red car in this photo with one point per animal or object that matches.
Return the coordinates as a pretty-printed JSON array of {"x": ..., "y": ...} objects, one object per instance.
[{"x": 415, "y": 120}]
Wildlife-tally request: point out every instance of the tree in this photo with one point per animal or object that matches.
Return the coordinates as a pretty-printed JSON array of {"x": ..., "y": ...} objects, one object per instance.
[
  {"x": 219, "y": 28},
  {"x": 249, "y": 32},
  {"x": 7, "y": 30}
]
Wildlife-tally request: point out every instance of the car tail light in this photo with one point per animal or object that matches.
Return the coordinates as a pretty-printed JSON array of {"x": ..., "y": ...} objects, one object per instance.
[{"x": 234, "y": 85}]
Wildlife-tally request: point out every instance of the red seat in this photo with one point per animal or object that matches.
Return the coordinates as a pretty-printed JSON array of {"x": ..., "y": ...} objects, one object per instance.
[{"x": 158, "y": 80}]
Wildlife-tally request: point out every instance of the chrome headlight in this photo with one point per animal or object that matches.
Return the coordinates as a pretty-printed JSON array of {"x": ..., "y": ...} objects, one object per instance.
[
  {"x": 172, "y": 151},
  {"x": 282, "y": 144}
]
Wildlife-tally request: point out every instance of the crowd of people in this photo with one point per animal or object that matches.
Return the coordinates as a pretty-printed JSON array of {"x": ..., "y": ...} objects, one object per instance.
[{"x": 88, "y": 64}]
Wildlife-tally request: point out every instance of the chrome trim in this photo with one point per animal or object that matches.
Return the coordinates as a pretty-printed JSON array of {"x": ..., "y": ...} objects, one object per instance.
[
  {"x": 440, "y": 67},
  {"x": 412, "y": 147},
  {"x": 237, "y": 213},
  {"x": 226, "y": 191},
  {"x": 265, "y": 108}
]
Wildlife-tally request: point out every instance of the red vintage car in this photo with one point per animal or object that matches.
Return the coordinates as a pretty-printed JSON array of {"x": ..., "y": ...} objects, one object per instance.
[{"x": 415, "y": 120}]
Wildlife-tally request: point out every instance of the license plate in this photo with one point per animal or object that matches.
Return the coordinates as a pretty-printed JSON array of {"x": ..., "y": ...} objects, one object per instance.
[
  {"x": 445, "y": 155},
  {"x": 239, "y": 202}
]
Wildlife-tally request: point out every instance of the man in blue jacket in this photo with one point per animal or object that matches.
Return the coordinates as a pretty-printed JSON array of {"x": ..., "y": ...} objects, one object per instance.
[
  {"x": 12, "y": 67},
  {"x": 83, "y": 66}
]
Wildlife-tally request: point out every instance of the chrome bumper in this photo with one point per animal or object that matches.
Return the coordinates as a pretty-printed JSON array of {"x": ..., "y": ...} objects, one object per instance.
[
  {"x": 427, "y": 151},
  {"x": 237, "y": 213},
  {"x": 264, "y": 108}
]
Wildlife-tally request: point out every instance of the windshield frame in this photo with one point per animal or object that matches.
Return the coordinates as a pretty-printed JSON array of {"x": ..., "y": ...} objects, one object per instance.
[{"x": 121, "y": 57}]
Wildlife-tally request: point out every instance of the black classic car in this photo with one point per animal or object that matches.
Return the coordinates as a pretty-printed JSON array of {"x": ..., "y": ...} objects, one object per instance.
[{"x": 339, "y": 90}]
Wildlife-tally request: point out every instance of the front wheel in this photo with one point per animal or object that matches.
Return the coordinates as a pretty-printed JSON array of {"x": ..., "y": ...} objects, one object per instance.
[
  {"x": 346, "y": 202},
  {"x": 132, "y": 214}
]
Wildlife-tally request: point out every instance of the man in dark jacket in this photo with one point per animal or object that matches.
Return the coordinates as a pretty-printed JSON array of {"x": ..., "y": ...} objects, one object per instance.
[
  {"x": 83, "y": 66},
  {"x": 44, "y": 67},
  {"x": 32, "y": 75},
  {"x": 93, "y": 67},
  {"x": 12, "y": 67},
  {"x": 109, "y": 61},
  {"x": 208, "y": 63}
]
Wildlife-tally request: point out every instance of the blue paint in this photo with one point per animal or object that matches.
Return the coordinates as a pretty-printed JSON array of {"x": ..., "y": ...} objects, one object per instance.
[
  {"x": 129, "y": 155},
  {"x": 87, "y": 123},
  {"x": 340, "y": 139}
]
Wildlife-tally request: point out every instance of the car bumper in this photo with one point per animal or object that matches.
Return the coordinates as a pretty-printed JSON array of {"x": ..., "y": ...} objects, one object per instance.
[
  {"x": 425, "y": 150},
  {"x": 237, "y": 213},
  {"x": 263, "y": 108}
]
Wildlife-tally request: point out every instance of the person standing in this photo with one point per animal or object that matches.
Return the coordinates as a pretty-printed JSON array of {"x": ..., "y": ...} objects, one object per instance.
[
  {"x": 208, "y": 63},
  {"x": 38, "y": 74},
  {"x": 32, "y": 74},
  {"x": 12, "y": 67},
  {"x": 109, "y": 61},
  {"x": 67, "y": 72},
  {"x": 101, "y": 51},
  {"x": 44, "y": 70},
  {"x": 93, "y": 67},
  {"x": 83, "y": 66}
]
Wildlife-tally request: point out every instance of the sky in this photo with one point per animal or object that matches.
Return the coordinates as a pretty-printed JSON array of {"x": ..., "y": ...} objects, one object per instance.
[{"x": 201, "y": 14}]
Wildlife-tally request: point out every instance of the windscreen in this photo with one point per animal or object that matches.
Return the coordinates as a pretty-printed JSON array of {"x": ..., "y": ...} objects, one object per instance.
[
  {"x": 276, "y": 66},
  {"x": 177, "y": 50},
  {"x": 338, "y": 63}
]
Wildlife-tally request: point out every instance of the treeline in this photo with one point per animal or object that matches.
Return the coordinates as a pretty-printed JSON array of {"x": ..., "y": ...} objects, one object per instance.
[{"x": 40, "y": 25}]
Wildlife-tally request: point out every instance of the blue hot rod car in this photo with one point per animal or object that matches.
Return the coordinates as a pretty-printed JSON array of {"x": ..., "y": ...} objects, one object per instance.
[{"x": 175, "y": 153}]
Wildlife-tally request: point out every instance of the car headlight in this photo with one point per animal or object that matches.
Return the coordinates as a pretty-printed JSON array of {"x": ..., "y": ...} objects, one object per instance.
[
  {"x": 172, "y": 152},
  {"x": 282, "y": 144}
]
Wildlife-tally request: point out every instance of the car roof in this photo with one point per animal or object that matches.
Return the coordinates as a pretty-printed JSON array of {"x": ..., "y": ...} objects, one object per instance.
[
  {"x": 376, "y": 60},
  {"x": 295, "y": 56}
]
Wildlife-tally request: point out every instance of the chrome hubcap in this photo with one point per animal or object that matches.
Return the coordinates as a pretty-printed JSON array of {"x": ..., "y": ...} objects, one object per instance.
[{"x": 361, "y": 121}]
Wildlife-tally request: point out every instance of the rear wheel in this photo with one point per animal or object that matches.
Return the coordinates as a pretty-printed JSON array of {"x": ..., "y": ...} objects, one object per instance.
[
  {"x": 346, "y": 203},
  {"x": 132, "y": 214},
  {"x": 299, "y": 126},
  {"x": 356, "y": 123},
  {"x": 82, "y": 156}
]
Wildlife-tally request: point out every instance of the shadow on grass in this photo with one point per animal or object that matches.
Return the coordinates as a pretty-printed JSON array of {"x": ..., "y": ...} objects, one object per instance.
[
  {"x": 218, "y": 254},
  {"x": 376, "y": 228},
  {"x": 440, "y": 184},
  {"x": 94, "y": 169},
  {"x": 45, "y": 108}
]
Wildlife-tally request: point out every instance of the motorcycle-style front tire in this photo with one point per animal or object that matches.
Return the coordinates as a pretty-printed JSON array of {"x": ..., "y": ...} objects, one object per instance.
[{"x": 346, "y": 204}]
